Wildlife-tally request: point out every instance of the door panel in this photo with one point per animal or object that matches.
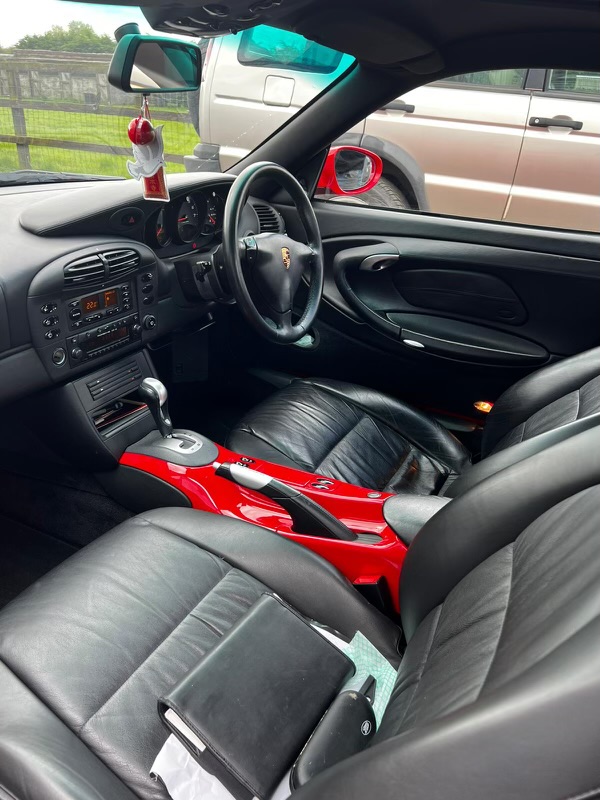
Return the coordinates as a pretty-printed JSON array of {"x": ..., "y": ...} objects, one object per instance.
[{"x": 459, "y": 309}]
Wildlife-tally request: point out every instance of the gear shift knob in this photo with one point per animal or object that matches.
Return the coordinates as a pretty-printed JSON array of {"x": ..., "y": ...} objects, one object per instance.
[{"x": 155, "y": 395}]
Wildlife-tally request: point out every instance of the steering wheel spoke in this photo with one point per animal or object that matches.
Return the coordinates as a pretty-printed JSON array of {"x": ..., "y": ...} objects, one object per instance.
[{"x": 272, "y": 263}]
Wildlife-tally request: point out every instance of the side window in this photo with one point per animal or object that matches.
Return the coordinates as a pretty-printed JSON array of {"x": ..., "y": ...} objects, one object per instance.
[
  {"x": 573, "y": 81},
  {"x": 269, "y": 47},
  {"x": 494, "y": 79},
  {"x": 482, "y": 145}
]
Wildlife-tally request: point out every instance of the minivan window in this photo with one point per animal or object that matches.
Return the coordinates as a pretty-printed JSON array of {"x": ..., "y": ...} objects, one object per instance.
[
  {"x": 270, "y": 47},
  {"x": 572, "y": 80}
]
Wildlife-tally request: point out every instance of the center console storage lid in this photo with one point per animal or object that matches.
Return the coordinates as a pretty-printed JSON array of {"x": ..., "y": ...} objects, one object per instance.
[{"x": 407, "y": 513}]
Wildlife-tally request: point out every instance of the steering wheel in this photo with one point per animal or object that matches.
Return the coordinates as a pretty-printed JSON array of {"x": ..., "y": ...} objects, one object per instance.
[{"x": 272, "y": 264}]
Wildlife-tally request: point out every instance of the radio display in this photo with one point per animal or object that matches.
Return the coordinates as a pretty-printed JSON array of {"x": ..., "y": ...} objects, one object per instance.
[
  {"x": 104, "y": 339},
  {"x": 95, "y": 302}
]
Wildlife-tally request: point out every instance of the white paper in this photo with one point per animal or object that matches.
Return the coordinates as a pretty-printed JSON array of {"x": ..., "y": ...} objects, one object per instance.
[{"x": 184, "y": 777}]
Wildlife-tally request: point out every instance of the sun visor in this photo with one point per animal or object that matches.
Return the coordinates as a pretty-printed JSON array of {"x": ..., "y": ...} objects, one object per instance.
[{"x": 391, "y": 44}]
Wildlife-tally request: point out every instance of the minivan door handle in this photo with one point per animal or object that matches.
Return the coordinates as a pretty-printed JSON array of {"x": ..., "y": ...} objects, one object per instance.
[
  {"x": 398, "y": 105},
  {"x": 553, "y": 122}
]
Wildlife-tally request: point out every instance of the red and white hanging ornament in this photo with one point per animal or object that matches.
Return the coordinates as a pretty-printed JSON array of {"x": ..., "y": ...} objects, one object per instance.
[{"x": 149, "y": 154}]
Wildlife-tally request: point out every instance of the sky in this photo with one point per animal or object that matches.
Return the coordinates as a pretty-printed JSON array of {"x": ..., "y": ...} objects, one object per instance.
[{"x": 38, "y": 16}]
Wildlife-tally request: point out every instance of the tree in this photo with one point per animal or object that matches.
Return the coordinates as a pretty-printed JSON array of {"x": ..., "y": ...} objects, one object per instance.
[{"x": 77, "y": 37}]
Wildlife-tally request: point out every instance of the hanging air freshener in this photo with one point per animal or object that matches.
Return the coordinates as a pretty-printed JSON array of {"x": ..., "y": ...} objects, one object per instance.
[{"x": 149, "y": 153}]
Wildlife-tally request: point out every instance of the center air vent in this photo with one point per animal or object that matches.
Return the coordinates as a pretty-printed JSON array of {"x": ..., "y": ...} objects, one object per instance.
[
  {"x": 85, "y": 270},
  {"x": 121, "y": 261},
  {"x": 269, "y": 220},
  {"x": 100, "y": 266}
]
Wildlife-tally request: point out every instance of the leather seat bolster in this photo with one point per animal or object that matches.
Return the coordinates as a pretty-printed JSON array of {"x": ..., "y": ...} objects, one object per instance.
[
  {"x": 451, "y": 544},
  {"x": 299, "y": 576},
  {"x": 535, "y": 391},
  {"x": 495, "y": 748},
  {"x": 518, "y": 452}
]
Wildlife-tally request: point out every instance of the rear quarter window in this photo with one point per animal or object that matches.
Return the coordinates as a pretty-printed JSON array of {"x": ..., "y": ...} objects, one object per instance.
[{"x": 268, "y": 47}]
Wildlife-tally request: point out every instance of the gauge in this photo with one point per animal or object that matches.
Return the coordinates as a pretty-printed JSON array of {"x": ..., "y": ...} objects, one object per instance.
[
  {"x": 213, "y": 221},
  {"x": 161, "y": 232},
  {"x": 189, "y": 221}
]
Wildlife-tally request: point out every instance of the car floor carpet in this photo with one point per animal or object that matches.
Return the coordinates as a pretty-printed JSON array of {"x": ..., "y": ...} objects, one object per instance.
[{"x": 25, "y": 555}]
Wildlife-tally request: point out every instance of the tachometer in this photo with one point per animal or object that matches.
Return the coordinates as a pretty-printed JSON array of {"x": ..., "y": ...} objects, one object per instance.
[{"x": 189, "y": 221}]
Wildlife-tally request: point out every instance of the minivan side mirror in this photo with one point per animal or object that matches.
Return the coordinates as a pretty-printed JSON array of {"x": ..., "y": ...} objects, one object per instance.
[
  {"x": 149, "y": 64},
  {"x": 350, "y": 171}
]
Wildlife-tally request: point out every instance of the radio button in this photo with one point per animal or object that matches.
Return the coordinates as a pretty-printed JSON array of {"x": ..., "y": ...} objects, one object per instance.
[
  {"x": 74, "y": 313},
  {"x": 77, "y": 353},
  {"x": 74, "y": 304},
  {"x": 48, "y": 308}
]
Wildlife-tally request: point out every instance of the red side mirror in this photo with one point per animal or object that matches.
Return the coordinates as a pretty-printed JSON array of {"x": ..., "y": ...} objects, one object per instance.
[{"x": 350, "y": 171}]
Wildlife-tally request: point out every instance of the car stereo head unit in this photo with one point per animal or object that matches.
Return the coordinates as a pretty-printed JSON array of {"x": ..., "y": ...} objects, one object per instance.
[
  {"x": 103, "y": 339},
  {"x": 93, "y": 308}
]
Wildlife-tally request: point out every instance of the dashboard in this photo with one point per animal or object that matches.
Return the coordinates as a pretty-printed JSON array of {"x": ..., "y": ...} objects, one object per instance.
[{"x": 91, "y": 272}]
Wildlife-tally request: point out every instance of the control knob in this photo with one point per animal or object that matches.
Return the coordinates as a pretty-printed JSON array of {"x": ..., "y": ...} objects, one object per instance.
[
  {"x": 76, "y": 353},
  {"x": 149, "y": 322}
]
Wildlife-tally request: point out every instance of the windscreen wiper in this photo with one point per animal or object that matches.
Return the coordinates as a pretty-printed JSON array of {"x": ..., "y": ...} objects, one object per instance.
[{"x": 25, "y": 177}]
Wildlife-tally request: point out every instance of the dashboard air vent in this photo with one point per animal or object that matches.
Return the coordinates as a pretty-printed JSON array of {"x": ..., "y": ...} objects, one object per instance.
[
  {"x": 88, "y": 269},
  {"x": 121, "y": 261},
  {"x": 268, "y": 219}
]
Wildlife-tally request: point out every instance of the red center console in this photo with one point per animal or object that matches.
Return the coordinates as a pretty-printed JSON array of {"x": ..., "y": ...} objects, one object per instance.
[{"x": 373, "y": 559}]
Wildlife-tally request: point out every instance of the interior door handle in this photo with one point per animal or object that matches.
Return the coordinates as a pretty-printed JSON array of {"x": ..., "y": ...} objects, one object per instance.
[
  {"x": 553, "y": 122},
  {"x": 397, "y": 105}
]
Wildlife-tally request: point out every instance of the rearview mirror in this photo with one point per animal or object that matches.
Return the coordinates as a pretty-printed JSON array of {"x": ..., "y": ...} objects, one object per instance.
[
  {"x": 350, "y": 171},
  {"x": 148, "y": 64}
]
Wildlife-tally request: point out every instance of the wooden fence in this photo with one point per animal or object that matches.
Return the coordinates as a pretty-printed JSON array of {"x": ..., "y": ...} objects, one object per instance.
[
  {"x": 23, "y": 142},
  {"x": 73, "y": 83}
]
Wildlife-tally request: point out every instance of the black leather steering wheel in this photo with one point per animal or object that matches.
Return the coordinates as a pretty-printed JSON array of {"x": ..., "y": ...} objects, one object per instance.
[{"x": 272, "y": 264}]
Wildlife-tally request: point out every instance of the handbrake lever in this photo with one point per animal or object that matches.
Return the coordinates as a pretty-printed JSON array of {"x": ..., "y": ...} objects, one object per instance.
[{"x": 307, "y": 516}]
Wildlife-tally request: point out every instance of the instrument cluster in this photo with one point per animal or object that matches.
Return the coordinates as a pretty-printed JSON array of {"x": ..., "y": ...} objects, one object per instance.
[{"x": 189, "y": 221}]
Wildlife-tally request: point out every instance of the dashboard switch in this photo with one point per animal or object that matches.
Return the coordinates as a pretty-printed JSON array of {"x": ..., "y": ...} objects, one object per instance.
[
  {"x": 149, "y": 322},
  {"x": 59, "y": 356},
  {"x": 48, "y": 308}
]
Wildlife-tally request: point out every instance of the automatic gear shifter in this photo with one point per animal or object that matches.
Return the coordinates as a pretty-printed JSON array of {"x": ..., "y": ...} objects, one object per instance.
[
  {"x": 186, "y": 448},
  {"x": 155, "y": 394}
]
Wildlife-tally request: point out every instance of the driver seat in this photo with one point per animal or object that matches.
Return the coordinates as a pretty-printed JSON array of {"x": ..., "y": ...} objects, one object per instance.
[{"x": 366, "y": 438}]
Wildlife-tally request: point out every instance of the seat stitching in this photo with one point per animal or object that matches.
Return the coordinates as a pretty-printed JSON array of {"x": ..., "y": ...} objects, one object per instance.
[
  {"x": 501, "y": 630},
  {"x": 416, "y": 681},
  {"x": 578, "y": 404},
  {"x": 188, "y": 613}
]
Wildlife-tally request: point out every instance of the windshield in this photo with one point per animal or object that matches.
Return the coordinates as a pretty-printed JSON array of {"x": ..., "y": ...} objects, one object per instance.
[{"x": 60, "y": 120}]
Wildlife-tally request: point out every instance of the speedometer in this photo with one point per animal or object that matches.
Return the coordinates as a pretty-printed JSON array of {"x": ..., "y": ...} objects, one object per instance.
[{"x": 189, "y": 220}]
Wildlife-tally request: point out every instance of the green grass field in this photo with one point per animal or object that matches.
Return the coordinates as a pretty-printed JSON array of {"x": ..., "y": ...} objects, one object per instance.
[{"x": 180, "y": 139}]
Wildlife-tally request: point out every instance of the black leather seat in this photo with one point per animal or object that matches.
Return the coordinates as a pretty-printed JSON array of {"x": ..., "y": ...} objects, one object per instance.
[
  {"x": 497, "y": 693},
  {"x": 369, "y": 439}
]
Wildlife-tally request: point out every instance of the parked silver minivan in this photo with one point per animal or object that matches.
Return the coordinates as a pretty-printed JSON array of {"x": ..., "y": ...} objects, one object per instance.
[{"x": 516, "y": 145}]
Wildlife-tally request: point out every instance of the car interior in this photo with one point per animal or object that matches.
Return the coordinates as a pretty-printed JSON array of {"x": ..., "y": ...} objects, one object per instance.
[{"x": 385, "y": 420}]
